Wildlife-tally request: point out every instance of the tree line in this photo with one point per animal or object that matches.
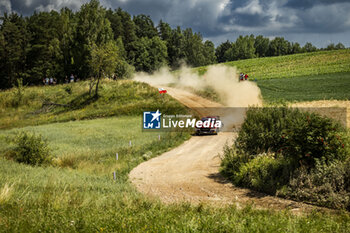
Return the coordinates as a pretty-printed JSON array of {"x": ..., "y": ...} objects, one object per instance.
[
  {"x": 92, "y": 42},
  {"x": 246, "y": 47},
  {"x": 95, "y": 42}
]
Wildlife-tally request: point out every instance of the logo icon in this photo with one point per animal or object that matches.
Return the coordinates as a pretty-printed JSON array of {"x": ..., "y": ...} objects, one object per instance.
[{"x": 151, "y": 120}]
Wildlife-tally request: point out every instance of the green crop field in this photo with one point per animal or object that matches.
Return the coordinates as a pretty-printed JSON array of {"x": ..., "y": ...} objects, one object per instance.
[
  {"x": 300, "y": 77},
  {"x": 324, "y": 62},
  {"x": 335, "y": 86}
]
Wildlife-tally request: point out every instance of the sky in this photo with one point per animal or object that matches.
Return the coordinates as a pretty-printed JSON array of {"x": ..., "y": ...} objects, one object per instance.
[{"x": 320, "y": 22}]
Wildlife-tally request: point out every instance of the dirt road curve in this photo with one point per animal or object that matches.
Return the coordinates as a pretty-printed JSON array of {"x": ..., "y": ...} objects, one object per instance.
[{"x": 190, "y": 171}]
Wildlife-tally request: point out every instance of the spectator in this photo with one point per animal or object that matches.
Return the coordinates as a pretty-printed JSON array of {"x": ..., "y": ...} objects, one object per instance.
[
  {"x": 72, "y": 78},
  {"x": 51, "y": 81},
  {"x": 246, "y": 76},
  {"x": 241, "y": 77}
]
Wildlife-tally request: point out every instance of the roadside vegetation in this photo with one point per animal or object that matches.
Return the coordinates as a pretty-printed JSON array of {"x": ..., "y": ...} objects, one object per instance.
[
  {"x": 293, "y": 154},
  {"x": 89, "y": 145},
  {"x": 74, "y": 190},
  {"x": 67, "y": 102},
  {"x": 59, "y": 142},
  {"x": 47, "y": 198}
]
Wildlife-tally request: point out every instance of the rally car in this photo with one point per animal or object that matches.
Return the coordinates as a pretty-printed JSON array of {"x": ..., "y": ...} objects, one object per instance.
[{"x": 211, "y": 128}]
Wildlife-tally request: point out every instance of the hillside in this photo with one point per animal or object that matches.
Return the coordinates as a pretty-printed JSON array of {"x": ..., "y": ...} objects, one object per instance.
[
  {"x": 324, "y": 62},
  {"x": 321, "y": 75},
  {"x": 67, "y": 102},
  {"x": 333, "y": 86}
]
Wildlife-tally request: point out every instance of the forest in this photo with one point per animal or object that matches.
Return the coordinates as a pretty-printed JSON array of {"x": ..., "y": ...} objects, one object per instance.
[{"x": 95, "y": 41}]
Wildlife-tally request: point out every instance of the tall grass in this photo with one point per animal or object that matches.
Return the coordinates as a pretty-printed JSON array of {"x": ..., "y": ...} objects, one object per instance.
[
  {"x": 117, "y": 98},
  {"x": 52, "y": 199},
  {"x": 91, "y": 145}
]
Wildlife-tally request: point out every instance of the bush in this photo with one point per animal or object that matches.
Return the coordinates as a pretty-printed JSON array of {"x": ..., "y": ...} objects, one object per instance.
[
  {"x": 262, "y": 130},
  {"x": 290, "y": 153},
  {"x": 18, "y": 95},
  {"x": 326, "y": 184},
  {"x": 266, "y": 173},
  {"x": 232, "y": 161},
  {"x": 124, "y": 70},
  {"x": 30, "y": 149},
  {"x": 300, "y": 136}
]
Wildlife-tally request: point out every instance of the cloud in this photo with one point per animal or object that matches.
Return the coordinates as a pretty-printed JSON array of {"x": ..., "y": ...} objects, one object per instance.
[
  {"x": 335, "y": 18},
  {"x": 5, "y": 6},
  {"x": 305, "y": 4},
  {"x": 27, "y": 7},
  {"x": 222, "y": 17}
]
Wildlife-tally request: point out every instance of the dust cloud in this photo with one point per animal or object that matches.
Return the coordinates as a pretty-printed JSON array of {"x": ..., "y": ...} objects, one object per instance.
[{"x": 222, "y": 79}]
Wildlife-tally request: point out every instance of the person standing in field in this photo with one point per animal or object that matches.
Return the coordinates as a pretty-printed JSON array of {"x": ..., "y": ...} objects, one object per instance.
[
  {"x": 72, "y": 78},
  {"x": 246, "y": 76},
  {"x": 241, "y": 76}
]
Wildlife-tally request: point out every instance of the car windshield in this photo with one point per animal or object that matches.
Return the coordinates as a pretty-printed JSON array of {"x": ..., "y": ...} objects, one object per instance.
[{"x": 207, "y": 118}]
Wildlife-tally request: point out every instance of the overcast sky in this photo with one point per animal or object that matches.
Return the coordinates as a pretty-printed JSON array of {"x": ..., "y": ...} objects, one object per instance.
[{"x": 318, "y": 21}]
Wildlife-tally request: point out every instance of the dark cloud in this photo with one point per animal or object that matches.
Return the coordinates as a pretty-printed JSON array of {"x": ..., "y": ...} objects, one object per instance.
[
  {"x": 248, "y": 20},
  {"x": 27, "y": 7},
  {"x": 305, "y": 4},
  {"x": 216, "y": 19}
]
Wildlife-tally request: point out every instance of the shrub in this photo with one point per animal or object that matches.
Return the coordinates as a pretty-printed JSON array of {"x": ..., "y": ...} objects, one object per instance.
[
  {"x": 31, "y": 149},
  {"x": 232, "y": 161},
  {"x": 300, "y": 136},
  {"x": 326, "y": 184},
  {"x": 18, "y": 95},
  {"x": 265, "y": 173},
  {"x": 262, "y": 129},
  {"x": 312, "y": 137},
  {"x": 290, "y": 153},
  {"x": 124, "y": 70}
]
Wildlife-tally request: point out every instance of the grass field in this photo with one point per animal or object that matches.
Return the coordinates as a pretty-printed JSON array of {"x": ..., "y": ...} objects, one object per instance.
[
  {"x": 324, "y": 62},
  {"x": 321, "y": 75},
  {"x": 117, "y": 99},
  {"x": 306, "y": 88},
  {"x": 78, "y": 194},
  {"x": 91, "y": 145},
  {"x": 49, "y": 199},
  {"x": 87, "y": 199}
]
